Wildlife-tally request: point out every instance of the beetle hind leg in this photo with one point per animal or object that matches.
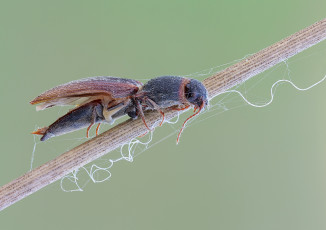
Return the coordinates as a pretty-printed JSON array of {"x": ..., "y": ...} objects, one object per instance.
[
  {"x": 93, "y": 120},
  {"x": 88, "y": 128},
  {"x": 98, "y": 128}
]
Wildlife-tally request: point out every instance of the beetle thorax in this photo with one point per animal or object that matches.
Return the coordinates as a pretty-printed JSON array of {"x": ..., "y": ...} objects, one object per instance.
[{"x": 165, "y": 91}]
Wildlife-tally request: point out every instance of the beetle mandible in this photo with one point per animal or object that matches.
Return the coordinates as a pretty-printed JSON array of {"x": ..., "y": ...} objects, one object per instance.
[{"x": 104, "y": 99}]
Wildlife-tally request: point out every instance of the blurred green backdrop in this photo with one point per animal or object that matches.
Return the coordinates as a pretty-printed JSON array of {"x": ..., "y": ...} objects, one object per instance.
[{"x": 245, "y": 168}]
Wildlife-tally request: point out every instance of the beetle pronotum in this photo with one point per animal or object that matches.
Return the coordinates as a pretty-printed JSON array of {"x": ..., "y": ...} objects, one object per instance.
[{"x": 104, "y": 99}]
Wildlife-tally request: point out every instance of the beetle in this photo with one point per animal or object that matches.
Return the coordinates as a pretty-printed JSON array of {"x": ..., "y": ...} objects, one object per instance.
[{"x": 104, "y": 99}]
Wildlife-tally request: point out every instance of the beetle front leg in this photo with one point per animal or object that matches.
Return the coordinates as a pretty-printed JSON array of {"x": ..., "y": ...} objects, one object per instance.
[{"x": 81, "y": 117}]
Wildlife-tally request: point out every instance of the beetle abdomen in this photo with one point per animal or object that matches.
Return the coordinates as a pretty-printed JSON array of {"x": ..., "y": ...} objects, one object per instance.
[
  {"x": 78, "y": 118},
  {"x": 166, "y": 91}
]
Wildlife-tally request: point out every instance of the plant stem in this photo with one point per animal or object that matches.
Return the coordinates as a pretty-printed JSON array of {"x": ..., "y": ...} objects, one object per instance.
[{"x": 126, "y": 131}]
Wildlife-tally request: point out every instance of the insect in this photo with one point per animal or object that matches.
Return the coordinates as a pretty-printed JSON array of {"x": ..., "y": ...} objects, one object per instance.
[{"x": 104, "y": 99}]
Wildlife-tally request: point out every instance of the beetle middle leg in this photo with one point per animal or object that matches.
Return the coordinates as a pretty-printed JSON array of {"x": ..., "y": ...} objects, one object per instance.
[
  {"x": 141, "y": 113},
  {"x": 153, "y": 105}
]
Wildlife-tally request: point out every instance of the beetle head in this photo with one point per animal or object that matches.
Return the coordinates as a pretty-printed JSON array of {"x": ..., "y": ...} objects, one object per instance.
[{"x": 196, "y": 93}]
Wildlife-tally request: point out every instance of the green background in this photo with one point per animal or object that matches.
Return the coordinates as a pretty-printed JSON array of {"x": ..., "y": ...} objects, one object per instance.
[{"x": 244, "y": 168}]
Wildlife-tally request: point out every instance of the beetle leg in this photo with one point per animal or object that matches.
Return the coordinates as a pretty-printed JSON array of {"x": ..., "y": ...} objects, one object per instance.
[
  {"x": 152, "y": 104},
  {"x": 163, "y": 116},
  {"x": 140, "y": 111},
  {"x": 98, "y": 128},
  {"x": 92, "y": 123},
  {"x": 87, "y": 132},
  {"x": 182, "y": 108},
  {"x": 143, "y": 134}
]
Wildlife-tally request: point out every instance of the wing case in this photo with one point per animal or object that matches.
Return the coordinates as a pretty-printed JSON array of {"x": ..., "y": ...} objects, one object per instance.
[{"x": 109, "y": 86}]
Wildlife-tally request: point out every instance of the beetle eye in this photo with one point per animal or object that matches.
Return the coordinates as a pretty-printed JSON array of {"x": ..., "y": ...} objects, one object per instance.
[{"x": 189, "y": 95}]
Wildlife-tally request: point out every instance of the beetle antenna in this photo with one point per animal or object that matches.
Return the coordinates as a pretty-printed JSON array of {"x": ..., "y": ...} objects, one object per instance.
[{"x": 185, "y": 122}]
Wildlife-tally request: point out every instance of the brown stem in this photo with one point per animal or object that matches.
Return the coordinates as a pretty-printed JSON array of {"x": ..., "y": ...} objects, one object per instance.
[{"x": 126, "y": 131}]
